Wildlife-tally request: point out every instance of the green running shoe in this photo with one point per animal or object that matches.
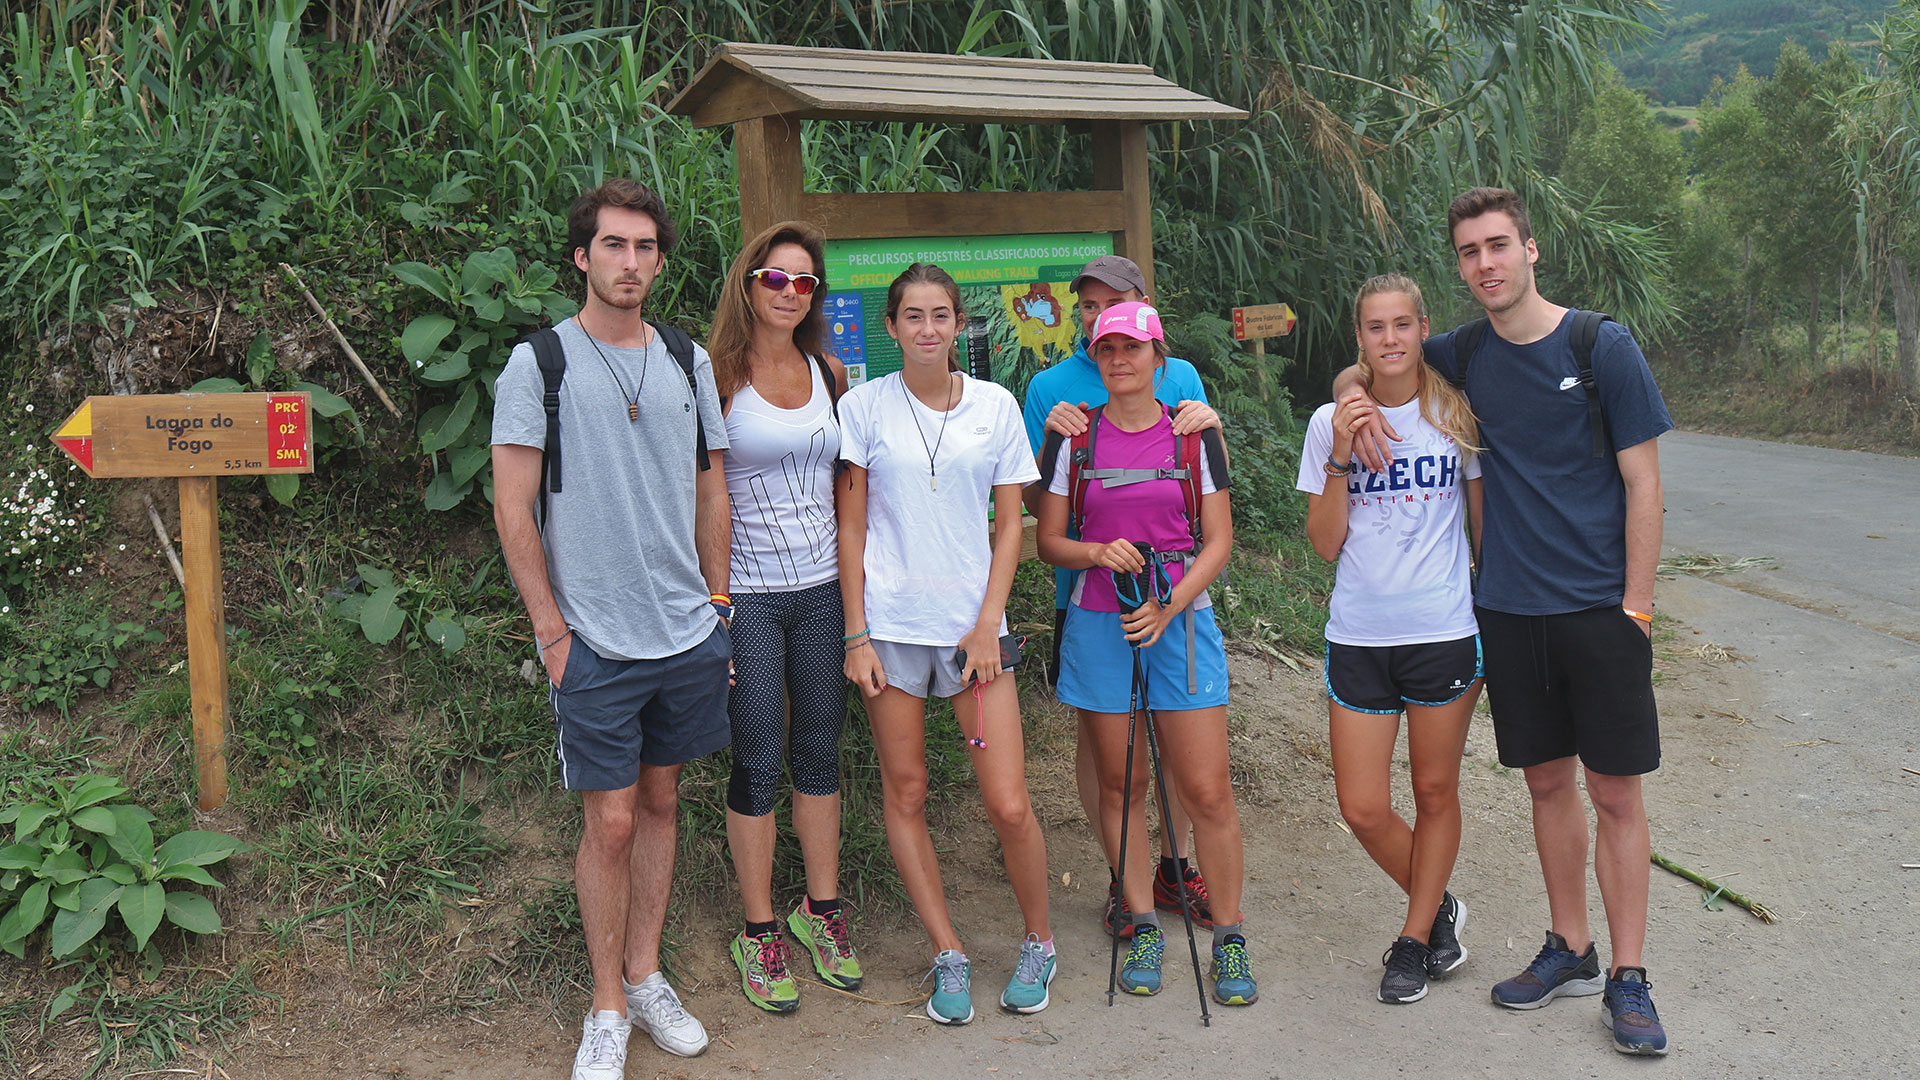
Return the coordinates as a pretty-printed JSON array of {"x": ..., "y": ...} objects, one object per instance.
[
  {"x": 763, "y": 971},
  {"x": 952, "y": 1000},
  {"x": 1141, "y": 973},
  {"x": 1232, "y": 973},
  {"x": 1026, "y": 992},
  {"x": 825, "y": 938}
]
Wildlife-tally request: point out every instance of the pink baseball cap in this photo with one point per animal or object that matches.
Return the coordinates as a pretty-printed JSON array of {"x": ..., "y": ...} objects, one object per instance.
[{"x": 1135, "y": 320}]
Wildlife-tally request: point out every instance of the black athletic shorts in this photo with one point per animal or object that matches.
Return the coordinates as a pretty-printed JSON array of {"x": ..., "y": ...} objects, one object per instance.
[
  {"x": 1579, "y": 683},
  {"x": 1387, "y": 678}
]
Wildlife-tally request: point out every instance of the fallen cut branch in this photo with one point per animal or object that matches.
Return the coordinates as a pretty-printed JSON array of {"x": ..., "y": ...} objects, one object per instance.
[
  {"x": 1760, "y": 911},
  {"x": 342, "y": 339},
  {"x": 166, "y": 542}
]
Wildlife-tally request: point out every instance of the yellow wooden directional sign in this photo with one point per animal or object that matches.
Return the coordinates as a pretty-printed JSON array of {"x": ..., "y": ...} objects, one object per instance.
[
  {"x": 190, "y": 435},
  {"x": 1262, "y": 321}
]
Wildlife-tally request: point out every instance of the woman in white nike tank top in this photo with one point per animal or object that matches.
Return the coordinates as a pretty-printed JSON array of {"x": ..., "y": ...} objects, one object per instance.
[{"x": 779, "y": 393}]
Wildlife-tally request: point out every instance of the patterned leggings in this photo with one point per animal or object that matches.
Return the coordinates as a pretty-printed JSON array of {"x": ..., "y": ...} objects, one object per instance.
[{"x": 785, "y": 653}]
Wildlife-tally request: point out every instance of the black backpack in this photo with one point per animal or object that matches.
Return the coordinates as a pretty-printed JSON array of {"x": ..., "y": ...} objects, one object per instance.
[
  {"x": 1584, "y": 332},
  {"x": 553, "y": 368}
]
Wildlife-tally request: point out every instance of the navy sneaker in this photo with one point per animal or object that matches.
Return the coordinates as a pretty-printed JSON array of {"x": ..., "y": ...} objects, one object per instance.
[
  {"x": 1405, "y": 980},
  {"x": 1556, "y": 972},
  {"x": 1626, "y": 1009},
  {"x": 1444, "y": 938}
]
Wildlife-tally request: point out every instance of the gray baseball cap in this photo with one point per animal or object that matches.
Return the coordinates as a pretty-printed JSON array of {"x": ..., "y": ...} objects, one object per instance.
[{"x": 1117, "y": 271}]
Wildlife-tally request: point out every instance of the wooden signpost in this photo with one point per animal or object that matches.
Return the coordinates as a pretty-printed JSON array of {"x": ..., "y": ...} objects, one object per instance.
[
  {"x": 1260, "y": 323},
  {"x": 198, "y": 438}
]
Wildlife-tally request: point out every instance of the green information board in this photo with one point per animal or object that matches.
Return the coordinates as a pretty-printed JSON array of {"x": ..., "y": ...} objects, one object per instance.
[{"x": 1020, "y": 313}]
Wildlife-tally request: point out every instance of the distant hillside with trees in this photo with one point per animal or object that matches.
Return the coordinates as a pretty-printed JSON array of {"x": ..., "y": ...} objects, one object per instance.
[{"x": 1700, "y": 40}]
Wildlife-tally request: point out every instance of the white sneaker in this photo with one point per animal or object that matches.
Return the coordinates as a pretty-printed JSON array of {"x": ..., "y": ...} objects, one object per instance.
[
  {"x": 603, "y": 1047},
  {"x": 654, "y": 1007}
]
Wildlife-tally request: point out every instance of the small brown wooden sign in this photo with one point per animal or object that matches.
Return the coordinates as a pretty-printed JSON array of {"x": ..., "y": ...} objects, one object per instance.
[
  {"x": 1262, "y": 321},
  {"x": 198, "y": 438},
  {"x": 190, "y": 435}
]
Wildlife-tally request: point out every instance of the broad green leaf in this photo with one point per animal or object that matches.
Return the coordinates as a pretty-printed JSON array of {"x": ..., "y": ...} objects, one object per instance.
[
  {"x": 325, "y": 402},
  {"x": 443, "y": 494},
  {"x": 437, "y": 436},
  {"x": 198, "y": 847},
  {"x": 66, "y": 896},
  {"x": 452, "y": 369},
  {"x": 191, "y": 911},
  {"x": 97, "y": 819},
  {"x": 187, "y": 872},
  {"x": 490, "y": 309},
  {"x": 425, "y": 277},
  {"x": 376, "y": 576},
  {"x": 31, "y": 817},
  {"x": 26, "y": 916},
  {"x": 259, "y": 359},
  {"x": 446, "y": 633},
  {"x": 73, "y": 929},
  {"x": 484, "y": 268},
  {"x": 140, "y": 908},
  {"x": 219, "y": 384},
  {"x": 283, "y": 487},
  {"x": 466, "y": 461},
  {"x": 64, "y": 1000},
  {"x": 119, "y": 872},
  {"x": 381, "y": 617},
  {"x": 133, "y": 840},
  {"x": 94, "y": 788},
  {"x": 20, "y": 856},
  {"x": 65, "y": 867},
  {"x": 423, "y": 336}
]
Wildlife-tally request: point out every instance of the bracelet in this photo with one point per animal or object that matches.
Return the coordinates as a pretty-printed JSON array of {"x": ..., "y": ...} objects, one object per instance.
[
  {"x": 1641, "y": 615},
  {"x": 854, "y": 641},
  {"x": 555, "y": 641},
  {"x": 721, "y": 598},
  {"x": 1335, "y": 467},
  {"x": 855, "y": 636}
]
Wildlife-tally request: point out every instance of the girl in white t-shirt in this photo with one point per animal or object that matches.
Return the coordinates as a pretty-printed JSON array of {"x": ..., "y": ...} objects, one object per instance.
[
  {"x": 1401, "y": 635},
  {"x": 927, "y": 447}
]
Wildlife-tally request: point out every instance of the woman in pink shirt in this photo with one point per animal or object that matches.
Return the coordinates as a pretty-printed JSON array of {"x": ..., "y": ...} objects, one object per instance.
[{"x": 1136, "y": 491}]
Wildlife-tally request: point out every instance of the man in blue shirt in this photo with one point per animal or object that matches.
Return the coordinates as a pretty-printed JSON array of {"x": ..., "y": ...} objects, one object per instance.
[
  {"x": 1057, "y": 398},
  {"x": 1568, "y": 551}
]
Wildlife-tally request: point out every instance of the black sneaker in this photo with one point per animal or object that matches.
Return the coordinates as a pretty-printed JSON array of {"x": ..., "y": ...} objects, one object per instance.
[
  {"x": 1557, "y": 972},
  {"x": 1405, "y": 981},
  {"x": 1444, "y": 939},
  {"x": 1626, "y": 1009}
]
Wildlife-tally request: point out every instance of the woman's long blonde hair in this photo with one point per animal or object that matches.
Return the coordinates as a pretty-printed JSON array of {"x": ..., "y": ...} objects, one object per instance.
[{"x": 1441, "y": 403}]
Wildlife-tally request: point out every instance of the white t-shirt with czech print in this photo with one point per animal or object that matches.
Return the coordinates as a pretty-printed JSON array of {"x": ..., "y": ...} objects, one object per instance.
[
  {"x": 1403, "y": 576},
  {"x": 928, "y": 549}
]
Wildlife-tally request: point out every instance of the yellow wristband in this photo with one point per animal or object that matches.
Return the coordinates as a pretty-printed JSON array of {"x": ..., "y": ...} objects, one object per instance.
[{"x": 1641, "y": 615}]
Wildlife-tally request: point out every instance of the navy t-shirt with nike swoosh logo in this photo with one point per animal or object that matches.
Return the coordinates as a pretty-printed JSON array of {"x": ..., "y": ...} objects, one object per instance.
[{"x": 1555, "y": 516}]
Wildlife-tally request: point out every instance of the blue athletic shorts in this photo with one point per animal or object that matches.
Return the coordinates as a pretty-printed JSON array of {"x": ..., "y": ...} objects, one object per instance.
[
  {"x": 1096, "y": 663},
  {"x": 611, "y": 715}
]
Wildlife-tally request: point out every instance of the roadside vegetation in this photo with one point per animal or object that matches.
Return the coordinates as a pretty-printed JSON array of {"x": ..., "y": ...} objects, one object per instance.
[{"x": 394, "y": 824}]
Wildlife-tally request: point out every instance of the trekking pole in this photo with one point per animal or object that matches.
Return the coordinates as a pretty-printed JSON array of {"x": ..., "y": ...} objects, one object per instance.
[
  {"x": 1160, "y": 783},
  {"x": 1126, "y": 812}
]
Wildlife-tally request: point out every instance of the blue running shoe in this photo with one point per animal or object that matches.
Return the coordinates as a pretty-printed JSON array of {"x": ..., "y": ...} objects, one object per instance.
[
  {"x": 1141, "y": 973},
  {"x": 952, "y": 1000},
  {"x": 1232, "y": 973},
  {"x": 1557, "y": 972},
  {"x": 1626, "y": 1009},
  {"x": 1026, "y": 992}
]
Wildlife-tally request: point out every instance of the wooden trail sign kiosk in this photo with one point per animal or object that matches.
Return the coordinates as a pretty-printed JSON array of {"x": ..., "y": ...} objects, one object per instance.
[
  {"x": 198, "y": 438},
  {"x": 765, "y": 91}
]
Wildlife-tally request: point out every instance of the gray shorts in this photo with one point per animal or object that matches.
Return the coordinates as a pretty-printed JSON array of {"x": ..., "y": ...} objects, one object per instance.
[
  {"x": 612, "y": 715},
  {"x": 920, "y": 670}
]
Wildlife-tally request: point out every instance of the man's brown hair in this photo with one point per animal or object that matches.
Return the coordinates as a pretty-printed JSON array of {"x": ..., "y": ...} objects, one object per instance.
[
  {"x": 1485, "y": 200},
  {"x": 583, "y": 221}
]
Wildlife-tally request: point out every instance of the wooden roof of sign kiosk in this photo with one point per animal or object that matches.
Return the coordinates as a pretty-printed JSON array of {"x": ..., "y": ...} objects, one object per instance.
[{"x": 765, "y": 90}]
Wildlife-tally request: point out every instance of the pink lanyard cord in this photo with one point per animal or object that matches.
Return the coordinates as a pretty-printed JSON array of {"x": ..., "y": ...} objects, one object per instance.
[{"x": 979, "y": 740}]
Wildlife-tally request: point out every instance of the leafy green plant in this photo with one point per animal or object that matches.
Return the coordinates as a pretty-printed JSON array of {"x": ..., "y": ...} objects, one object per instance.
[
  {"x": 492, "y": 300},
  {"x": 414, "y": 603},
  {"x": 57, "y": 660},
  {"x": 82, "y": 856}
]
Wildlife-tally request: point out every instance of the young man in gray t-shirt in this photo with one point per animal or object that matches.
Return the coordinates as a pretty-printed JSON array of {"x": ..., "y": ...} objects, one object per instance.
[{"x": 624, "y": 583}]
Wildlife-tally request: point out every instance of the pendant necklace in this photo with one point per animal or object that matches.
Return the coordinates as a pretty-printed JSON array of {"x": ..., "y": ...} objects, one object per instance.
[
  {"x": 933, "y": 480},
  {"x": 633, "y": 403}
]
